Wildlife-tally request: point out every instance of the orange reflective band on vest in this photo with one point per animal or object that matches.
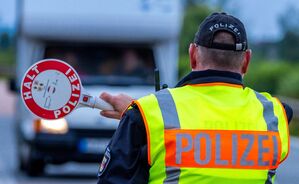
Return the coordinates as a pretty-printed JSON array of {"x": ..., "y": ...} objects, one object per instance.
[{"x": 222, "y": 149}]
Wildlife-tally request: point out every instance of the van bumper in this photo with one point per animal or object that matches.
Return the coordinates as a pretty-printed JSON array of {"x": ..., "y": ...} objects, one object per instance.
[{"x": 76, "y": 145}]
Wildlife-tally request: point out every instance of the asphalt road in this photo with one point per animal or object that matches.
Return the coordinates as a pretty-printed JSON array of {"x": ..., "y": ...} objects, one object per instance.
[
  {"x": 73, "y": 173},
  {"x": 288, "y": 172}
]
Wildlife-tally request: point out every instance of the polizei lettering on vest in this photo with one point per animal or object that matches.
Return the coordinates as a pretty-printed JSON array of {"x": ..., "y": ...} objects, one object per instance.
[{"x": 228, "y": 149}]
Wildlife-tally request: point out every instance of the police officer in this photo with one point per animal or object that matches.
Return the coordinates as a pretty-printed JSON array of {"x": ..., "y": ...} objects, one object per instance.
[{"x": 209, "y": 129}]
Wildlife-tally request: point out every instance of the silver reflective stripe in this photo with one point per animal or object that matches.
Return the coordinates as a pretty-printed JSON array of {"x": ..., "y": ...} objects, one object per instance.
[
  {"x": 168, "y": 110},
  {"x": 172, "y": 175},
  {"x": 171, "y": 121},
  {"x": 272, "y": 125},
  {"x": 271, "y": 173},
  {"x": 268, "y": 112}
]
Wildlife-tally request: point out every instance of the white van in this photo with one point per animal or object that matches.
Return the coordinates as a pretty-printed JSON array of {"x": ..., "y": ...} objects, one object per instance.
[{"x": 114, "y": 45}]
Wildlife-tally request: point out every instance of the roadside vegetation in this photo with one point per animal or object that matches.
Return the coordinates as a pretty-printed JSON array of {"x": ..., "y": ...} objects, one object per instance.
[{"x": 7, "y": 61}]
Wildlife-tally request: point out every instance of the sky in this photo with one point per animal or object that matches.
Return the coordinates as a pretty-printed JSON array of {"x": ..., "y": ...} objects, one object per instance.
[
  {"x": 259, "y": 16},
  {"x": 7, "y": 12}
]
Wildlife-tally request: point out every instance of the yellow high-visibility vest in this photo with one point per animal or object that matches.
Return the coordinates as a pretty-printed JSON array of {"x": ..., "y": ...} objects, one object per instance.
[{"x": 214, "y": 133}]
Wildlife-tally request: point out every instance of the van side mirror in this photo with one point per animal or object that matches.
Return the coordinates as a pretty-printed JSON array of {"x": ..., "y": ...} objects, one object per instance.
[{"x": 13, "y": 85}]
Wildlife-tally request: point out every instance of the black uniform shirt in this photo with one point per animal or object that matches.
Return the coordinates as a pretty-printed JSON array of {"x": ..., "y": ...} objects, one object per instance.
[{"x": 125, "y": 160}]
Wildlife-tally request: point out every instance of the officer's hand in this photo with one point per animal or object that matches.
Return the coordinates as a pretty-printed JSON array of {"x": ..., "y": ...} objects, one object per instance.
[{"x": 119, "y": 102}]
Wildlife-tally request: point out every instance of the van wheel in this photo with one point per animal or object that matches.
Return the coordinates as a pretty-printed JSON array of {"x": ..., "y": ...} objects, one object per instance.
[
  {"x": 23, "y": 155},
  {"x": 29, "y": 161},
  {"x": 21, "y": 165},
  {"x": 35, "y": 167}
]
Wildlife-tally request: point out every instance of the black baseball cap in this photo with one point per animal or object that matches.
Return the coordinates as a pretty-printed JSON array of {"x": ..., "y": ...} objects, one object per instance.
[{"x": 221, "y": 22}]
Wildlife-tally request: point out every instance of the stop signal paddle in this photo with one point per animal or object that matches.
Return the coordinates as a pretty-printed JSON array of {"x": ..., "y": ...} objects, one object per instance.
[{"x": 52, "y": 89}]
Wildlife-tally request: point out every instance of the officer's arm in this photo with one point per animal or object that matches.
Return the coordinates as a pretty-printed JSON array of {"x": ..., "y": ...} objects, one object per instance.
[
  {"x": 289, "y": 111},
  {"x": 125, "y": 160}
]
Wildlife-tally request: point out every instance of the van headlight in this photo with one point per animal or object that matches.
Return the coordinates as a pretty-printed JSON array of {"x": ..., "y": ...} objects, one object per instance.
[{"x": 58, "y": 126}]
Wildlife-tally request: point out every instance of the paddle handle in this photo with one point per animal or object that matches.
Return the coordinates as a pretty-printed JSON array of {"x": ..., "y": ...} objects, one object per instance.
[
  {"x": 101, "y": 104},
  {"x": 94, "y": 102}
]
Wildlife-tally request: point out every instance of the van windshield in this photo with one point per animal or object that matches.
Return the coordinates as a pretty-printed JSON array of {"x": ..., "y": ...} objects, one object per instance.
[{"x": 107, "y": 64}]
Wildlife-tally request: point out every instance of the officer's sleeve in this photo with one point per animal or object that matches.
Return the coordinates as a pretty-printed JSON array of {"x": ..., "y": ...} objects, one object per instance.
[
  {"x": 289, "y": 111},
  {"x": 125, "y": 159}
]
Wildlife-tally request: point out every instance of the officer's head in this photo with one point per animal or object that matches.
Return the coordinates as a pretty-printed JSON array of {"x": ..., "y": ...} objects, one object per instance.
[{"x": 220, "y": 44}]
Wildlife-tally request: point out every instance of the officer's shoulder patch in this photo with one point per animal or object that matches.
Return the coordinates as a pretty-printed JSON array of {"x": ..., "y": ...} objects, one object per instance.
[{"x": 105, "y": 162}]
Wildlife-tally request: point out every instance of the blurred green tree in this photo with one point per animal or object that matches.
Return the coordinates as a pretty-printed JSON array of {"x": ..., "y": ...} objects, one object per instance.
[
  {"x": 4, "y": 41},
  {"x": 289, "y": 46},
  {"x": 194, "y": 15}
]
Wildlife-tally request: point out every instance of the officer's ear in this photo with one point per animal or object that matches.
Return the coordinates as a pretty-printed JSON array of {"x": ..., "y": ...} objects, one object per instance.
[
  {"x": 246, "y": 61},
  {"x": 193, "y": 56}
]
